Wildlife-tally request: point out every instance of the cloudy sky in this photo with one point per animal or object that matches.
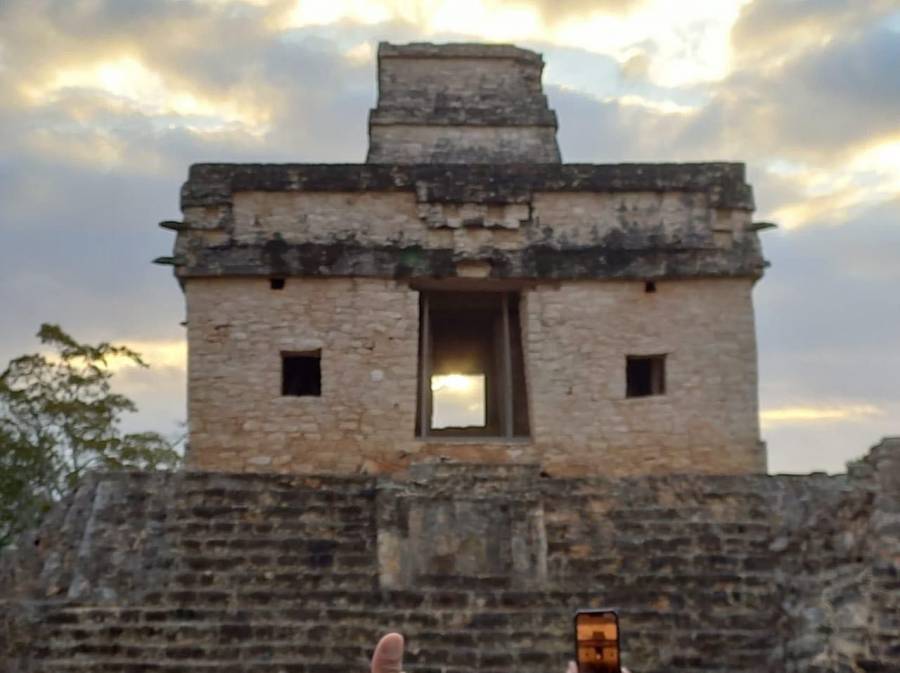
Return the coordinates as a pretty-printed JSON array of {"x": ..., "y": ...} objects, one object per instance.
[{"x": 105, "y": 103}]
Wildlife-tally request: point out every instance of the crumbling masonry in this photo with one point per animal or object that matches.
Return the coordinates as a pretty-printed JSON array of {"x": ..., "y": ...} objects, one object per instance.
[
  {"x": 481, "y": 567},
  {"x": 460, "y": 391},
  {"x": 464, "y": 247}
]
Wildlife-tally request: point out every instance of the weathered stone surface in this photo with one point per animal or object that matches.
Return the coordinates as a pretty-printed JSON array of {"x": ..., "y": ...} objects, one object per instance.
[
  {"x": 576, "y": 337},
  {"x": 429, "y": 50},
  {"x": 211, "y": 185},
  {"x": 532, "y": 222},
  {"x": 548, "y": 262},
  {"x": 460, "y": 103},
  {"x": 583, "y": 246},
  {"x": 491, "y": 530},
  {"x": 257, "y": 573}
]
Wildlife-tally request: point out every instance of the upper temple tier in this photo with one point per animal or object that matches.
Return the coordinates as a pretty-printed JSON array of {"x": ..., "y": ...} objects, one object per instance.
[
  {"x": 463, "y": 295},
  {"x": 460, "y": 103},
  {"x": 550, "y": 221}
]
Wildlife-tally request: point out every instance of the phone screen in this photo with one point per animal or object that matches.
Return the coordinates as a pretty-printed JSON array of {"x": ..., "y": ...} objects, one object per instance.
[{"x": 597, "y": 641}]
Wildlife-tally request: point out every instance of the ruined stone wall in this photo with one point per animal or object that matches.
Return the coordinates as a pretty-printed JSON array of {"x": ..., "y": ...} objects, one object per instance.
[
  {"x": 480, "y": 567},
  {"x": 627, "y": 221},
  {"x": 464, "y": 190},
  {"x": 405, "y": 143},
  {"x": 840, "y": 608},
  {"x": 576, "y": 336},
  {"x": 367, "y": 331},
  {"x": 427, "y": 227},
  {"x": 561, "y": 220},
  {"x": 419, "y": 80},
  {"x": 462, "y": 103}
]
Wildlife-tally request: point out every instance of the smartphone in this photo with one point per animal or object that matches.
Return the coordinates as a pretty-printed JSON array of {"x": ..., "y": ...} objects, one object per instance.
[{"x": 597, "y": 641}]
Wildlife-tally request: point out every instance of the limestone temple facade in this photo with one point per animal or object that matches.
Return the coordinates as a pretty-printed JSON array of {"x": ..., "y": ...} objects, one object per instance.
[
  {"x": 464, "y": 295},
  {"x": 460, "y": 391}
]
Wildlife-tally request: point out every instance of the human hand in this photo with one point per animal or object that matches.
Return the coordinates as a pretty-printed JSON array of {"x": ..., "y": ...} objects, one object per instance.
[{"x": 388, "y": 655}]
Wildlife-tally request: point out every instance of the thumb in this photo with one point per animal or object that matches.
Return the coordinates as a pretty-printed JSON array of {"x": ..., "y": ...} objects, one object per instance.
[{"x": 388, "y": 656}]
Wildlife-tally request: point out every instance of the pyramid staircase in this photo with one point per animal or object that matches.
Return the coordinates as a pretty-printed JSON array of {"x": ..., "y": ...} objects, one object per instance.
[{"x": 282, "y": 574}]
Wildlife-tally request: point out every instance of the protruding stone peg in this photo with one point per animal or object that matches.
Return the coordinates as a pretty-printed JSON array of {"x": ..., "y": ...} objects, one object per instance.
[{"x": 171, "y": 261}]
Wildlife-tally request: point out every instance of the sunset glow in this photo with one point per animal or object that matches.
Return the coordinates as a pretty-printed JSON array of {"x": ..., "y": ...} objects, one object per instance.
[
  {"x": 818, "y": 414},
  {"x": 104, "y": 106},
  {"x": 458, "y": 400},
  {"x": 692, "y": 43},
  {"x": 155, "y": 354},
  {"x": 129, "y": 81}
]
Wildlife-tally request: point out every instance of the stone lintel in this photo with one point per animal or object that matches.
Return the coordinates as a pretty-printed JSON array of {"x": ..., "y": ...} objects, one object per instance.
[
  {"x": 451, "y": 112},
  {"x": 215, "y": 184},
  {"x": 458, "y": 50},
  {"x": 544, "y": 262}
]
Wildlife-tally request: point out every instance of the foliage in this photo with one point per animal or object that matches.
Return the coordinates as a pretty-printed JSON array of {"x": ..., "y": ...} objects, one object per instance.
[{"x": 59, "y": 418}]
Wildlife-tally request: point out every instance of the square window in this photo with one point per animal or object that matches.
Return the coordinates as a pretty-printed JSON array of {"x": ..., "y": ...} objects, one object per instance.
[
  {"x": 301, "y": 374},
  {"x": 645, "y": 375},
  {"x": 471, "y": 369}
]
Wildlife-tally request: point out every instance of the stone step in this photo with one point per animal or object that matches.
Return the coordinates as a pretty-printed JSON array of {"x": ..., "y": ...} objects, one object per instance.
[
  {"x": 362, "y": 591},
  {"x": 274, "y": 582},
  {"x": 288, "y": 505},
  {"x": 223, "y": 666},
  {"x": 190, "y": 534},
  {"x": 293, "y": 541},
  {"x": 524, "y": 639},
  {"x": 102, "y": 665},
  {"x": 277, "y": 579},
  {"x": 301, "y": 512},
  {"x": 284, "y": 545},
  {"x": 333, "y": 616},
  {"x": 277, "y": 559},
  {"x": 250, "y": 643}
]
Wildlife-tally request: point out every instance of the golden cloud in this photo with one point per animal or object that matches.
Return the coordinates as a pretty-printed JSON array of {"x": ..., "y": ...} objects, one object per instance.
[
  {"x": 818, "y": 414},
  {"x": 690, "y": 45},
  {"x": 156, "y": 354},
  {"x": 128, "y": 80}
]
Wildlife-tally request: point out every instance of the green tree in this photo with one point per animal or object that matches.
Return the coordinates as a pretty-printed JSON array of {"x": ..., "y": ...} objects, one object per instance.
[{"x": 59, "y": 418}]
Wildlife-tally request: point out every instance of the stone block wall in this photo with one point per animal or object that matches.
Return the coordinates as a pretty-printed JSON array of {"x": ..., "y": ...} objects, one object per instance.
[
  {"x": 407, "y": 143},
  {"x": 355, "y": 244},
  {"x": 427, "y": 222},
  {"x": 841, "y": 603},
  {"x": 481, "y": 567},
  {"x": 576, "y": 337},
  {"x": 367, "y": 332},
  {"x": 464, "y": 190},
  {"x": 378, "y": 220},
  {"x": 460, "y": 103},
  {"x": 422, "y": 78}
]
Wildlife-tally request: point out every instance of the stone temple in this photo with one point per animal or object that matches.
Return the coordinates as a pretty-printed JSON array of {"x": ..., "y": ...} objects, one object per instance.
[
  {"x": 460, "y": 391},
  {"x": 464, "y": 295}
]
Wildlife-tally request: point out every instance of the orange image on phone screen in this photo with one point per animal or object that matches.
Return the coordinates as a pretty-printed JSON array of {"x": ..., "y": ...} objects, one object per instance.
[{"x": 597, "y": 641}]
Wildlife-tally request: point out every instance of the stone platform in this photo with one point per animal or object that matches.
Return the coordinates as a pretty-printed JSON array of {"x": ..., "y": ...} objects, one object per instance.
[{"x": 480, "y": 567}]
